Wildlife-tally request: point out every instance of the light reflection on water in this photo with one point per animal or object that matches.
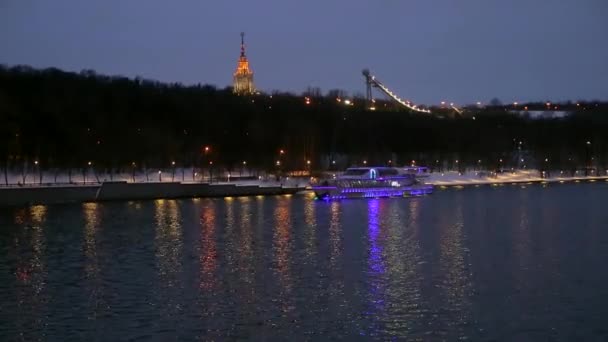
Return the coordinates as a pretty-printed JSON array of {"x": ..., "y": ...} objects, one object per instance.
[
  {"x": 310, "y": 230},
  {"x": 168, "y": 253},
  {"x": 93, "y": 281},
  {"x": 455, "y": 272},
  {"x": 282, "y": 249},
  {"x": 376, "y": 267},
  {"x": 31, "y": 273},
  {"x": 245, "y": 245},
  {"x": 450, "y": 266},
  {"x": 334, "y": 234},
  {"x": 208, "y": 251}
]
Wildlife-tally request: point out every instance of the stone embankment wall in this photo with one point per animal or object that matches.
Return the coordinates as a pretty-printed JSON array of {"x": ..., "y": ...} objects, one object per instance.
[{"x": 131, "y": 191}]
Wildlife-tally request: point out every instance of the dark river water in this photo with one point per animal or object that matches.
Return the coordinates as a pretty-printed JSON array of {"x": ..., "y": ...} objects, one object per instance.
[{"x": 508, "y": 263}]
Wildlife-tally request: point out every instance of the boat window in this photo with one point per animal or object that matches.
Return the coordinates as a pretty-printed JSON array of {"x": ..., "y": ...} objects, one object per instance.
[
  {"x": 355, "y": 172},
  {"x": 388, "y": 172}
]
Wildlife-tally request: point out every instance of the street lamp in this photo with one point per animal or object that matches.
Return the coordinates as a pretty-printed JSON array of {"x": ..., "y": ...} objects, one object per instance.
[
  {"x": 133, "y": 171},
  {"x": 242, "y": 169},
  {"x": 84, "y": 172},
  {"x": 39, "y": 172},
  {"x": 588, "y": 162},
  {"x": 173, "y": 171},
  {"x": 210, "y": 171}
]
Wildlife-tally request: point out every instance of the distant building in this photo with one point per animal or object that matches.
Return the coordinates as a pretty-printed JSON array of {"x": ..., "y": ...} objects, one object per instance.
[{"x": 243, "y": 76}]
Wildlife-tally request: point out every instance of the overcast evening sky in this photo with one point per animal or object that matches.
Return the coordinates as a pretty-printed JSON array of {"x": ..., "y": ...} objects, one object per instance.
[{"x": 424, "y": 50}]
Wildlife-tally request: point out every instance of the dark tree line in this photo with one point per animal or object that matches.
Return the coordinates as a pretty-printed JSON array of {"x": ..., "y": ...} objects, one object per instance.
[{"x": 65, "y": 120}]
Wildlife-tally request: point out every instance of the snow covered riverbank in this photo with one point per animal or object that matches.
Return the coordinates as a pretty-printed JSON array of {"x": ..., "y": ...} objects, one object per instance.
[
  {"x": 522, "y": 176},
  {"x": 190, "y": 176}
]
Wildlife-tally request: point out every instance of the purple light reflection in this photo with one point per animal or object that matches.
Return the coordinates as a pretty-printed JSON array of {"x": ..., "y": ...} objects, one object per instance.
[
  {"x": 376, "y": 265},
  {"x": 375, "y": 251}
]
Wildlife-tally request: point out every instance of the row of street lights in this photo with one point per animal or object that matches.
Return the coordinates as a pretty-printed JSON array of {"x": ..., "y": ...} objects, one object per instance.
[{"x": 207, "y": 150}]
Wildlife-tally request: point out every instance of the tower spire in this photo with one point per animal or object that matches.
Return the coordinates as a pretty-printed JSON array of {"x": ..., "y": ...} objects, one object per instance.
[
  {"x": 242, "y": 44},
  {"x": 243, "y": 76}
]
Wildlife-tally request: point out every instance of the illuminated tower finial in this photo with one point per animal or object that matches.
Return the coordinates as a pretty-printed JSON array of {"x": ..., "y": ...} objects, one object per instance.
[{"x": 242, "y": 44}]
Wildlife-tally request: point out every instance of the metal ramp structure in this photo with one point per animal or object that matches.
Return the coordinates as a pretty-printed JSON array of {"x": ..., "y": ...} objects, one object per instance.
[{"x": 372, "y": 81}]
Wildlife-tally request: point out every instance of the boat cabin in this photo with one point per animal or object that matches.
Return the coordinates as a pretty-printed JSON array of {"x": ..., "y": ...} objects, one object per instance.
[{"x": 370, "y": 173}]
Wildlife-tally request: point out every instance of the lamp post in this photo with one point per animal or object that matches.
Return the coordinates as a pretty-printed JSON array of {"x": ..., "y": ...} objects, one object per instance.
[
  {"x": 210, "y": 172},
  {"x": 173, "y": 171},
  {"x": 39, "y": 172},
  {"x": 587, "y": 160},
  {"x": 84, "y": 172},
  {"x": 206, "y": 152},
  {"x": 281, "y": 158},
  {"x": 500, "y": 168},
  {"x": 133, "y": 172},
  {"x": 278, "y": 175}
]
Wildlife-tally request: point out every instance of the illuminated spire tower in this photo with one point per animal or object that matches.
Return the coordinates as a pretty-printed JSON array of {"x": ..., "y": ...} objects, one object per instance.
[{"x": 243, "y": 76}]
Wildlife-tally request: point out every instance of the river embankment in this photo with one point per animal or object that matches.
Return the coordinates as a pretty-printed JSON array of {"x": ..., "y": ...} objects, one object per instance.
[
  {"x": 121, "y": 190},
  {"x": 453, "y": 178}
]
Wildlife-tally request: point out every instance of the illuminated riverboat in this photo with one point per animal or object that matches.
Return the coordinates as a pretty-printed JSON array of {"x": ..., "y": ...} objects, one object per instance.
[{"x": 372, "y": 182}]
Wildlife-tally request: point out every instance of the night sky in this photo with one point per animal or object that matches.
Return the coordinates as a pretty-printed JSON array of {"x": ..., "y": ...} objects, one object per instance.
[{"x": 426, "y": 51}]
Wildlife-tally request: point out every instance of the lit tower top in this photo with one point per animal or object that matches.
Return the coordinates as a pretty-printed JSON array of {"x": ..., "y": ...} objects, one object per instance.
[{"x": 243, "y": 76}]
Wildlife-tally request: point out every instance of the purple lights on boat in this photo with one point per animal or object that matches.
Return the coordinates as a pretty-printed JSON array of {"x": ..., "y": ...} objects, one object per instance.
[
  {"x": 371, "y": 192},
  {"x": 366, "y": 182}
]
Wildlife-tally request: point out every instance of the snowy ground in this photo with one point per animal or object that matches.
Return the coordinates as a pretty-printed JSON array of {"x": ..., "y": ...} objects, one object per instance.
[
  {"x": 472, "y": 177},
  {"x": 78, "y": 177}
]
